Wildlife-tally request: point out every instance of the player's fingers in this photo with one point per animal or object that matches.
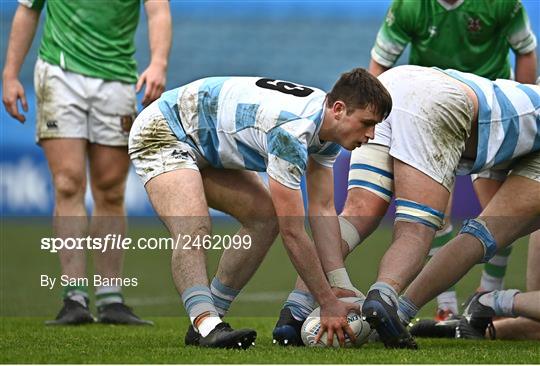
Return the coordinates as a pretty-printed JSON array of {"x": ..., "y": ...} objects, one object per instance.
[
  {"x": 144, "y": 101},
  {"x": 140, "y": 82},
  {"x": 152, "y": 91},
  {"x": 24, "y": 102},
  {"x": 341, "y": 337},
  {"x": 350, "y": 333},
  {"x": 13, "y": 110},
  {"x": 322, "y": 329},
  {"x": 330, "y": 336}
]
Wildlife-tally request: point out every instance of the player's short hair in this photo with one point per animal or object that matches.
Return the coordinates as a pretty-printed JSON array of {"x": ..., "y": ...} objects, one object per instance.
[{"x": 360, "y": 89}]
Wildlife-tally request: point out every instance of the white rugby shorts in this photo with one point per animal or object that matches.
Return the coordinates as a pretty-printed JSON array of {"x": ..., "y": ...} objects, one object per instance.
[
  {"x": 430, "y": 121},
  {"x": 71, "y": 105},
  {"x": 154, "y": 149}
]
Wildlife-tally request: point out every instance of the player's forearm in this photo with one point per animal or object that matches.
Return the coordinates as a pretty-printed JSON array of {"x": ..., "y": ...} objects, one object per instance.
[
  {"x": 22, "y": 33},
  {"x": 306, "y": 262},
  {"x": 526, "y": 68},
  {"x": 159, "y": 31},
  {"x": 325, "y": 228},
  {"x": 375, "y": 68}
]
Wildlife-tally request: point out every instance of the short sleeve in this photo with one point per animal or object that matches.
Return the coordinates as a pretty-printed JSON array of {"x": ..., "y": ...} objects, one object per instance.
[
  {"x": 394, "y": 34},
  {"x": 33, "y": 4},
  {"x": 517, "y": 27},
  {"x": 287, "y": 155}
]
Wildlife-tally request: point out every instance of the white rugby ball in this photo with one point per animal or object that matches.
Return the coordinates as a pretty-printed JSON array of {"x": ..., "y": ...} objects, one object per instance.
[{"x": 360, "y": 328}]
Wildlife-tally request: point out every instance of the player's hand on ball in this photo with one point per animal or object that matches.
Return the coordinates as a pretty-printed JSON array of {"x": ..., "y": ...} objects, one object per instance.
[{"x": 334, "y": 321}]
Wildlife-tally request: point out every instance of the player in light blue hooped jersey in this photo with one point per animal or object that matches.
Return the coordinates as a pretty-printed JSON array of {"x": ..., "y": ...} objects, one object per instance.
[
  {"x": 200, "y": 145},
  {"x": 442, "y": 123},
  {"x": 242, "y": 123}
]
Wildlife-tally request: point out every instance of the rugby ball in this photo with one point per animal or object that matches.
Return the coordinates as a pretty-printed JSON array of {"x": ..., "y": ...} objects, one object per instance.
[{"x": 360, "y": 328}]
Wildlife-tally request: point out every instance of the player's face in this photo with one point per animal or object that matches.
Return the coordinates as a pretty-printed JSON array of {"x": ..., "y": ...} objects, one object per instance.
[{"x": 358, "y": 127}]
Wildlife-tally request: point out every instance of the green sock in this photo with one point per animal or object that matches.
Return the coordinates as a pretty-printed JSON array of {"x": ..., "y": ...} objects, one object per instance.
[{"x": 106, "y": 295}]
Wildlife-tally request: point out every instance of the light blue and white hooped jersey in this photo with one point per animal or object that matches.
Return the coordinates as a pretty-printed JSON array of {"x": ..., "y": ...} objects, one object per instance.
[
  {"x": 508, "y": 121},
  {"x": 251, "y": 123}
]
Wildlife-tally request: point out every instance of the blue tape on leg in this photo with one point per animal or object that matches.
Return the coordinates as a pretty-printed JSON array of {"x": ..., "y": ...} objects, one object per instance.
[{"x": 479, "y": 230}]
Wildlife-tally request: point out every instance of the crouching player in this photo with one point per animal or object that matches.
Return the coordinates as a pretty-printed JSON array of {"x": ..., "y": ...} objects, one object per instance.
[
  {"x": 442, "y": 123},
  {"x": 200, "y": 145},
  {"x": 439, "y": 119}
]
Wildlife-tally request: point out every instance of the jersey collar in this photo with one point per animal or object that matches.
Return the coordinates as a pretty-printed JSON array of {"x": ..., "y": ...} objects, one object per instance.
[{"x": 449, "y": 6}]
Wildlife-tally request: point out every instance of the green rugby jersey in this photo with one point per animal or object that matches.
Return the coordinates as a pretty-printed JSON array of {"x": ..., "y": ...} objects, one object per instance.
[
  {"x": 471, "y": 35},
  {"x": 90, "y": 37}
]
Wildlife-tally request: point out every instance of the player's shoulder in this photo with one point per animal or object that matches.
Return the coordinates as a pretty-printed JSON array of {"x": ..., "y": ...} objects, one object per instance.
[
  {"x": 408, "y": 14},
  {"x": 502, "y": 8}
]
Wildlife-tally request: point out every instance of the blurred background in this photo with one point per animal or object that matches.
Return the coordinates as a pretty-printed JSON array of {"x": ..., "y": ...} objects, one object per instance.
[{"x": 309, "y": 42}]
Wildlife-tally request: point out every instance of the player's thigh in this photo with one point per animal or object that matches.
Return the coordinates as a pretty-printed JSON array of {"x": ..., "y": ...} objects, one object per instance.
[
  {"x": 169, "y": 170},
  {"x": 179, "y": 200},
  {"x": 240, "y": 193},
  {"x": 413, "y": 185},
  {"x": 109, "y": 167},
  {"x": 67, "y": 162},
  {"x": 487, "y": 183},
  {"x": 514, "y": 210}
]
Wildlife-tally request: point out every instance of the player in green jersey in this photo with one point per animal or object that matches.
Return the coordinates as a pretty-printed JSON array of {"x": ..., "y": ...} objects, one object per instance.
[
  {"x": 471, "y": 36},
  {"x": 86, "y": 80}
]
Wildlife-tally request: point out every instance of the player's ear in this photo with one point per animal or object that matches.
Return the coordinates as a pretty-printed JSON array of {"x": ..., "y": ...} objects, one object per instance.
[{"x": 339, "y": 108}]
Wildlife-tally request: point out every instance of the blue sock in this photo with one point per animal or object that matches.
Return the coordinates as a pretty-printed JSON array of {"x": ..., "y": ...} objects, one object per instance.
[
  {"x": 388, "y": 293},
  {"x": 301, "y": 304},
  {"x": 406, "y": 309},
  {"x": 198, "y": 300},
  {"x": 223, "y": 296}
]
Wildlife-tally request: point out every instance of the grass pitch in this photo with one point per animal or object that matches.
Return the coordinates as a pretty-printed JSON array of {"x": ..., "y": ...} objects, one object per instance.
[
  {"x": 24, "y": 305},
  {"x": 26, "y": 340}
]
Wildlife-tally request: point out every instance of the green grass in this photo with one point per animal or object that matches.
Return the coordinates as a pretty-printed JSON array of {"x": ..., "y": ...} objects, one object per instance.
[
  {"x": 26, "y": 340},
  {"x": 24, "y": 305}
]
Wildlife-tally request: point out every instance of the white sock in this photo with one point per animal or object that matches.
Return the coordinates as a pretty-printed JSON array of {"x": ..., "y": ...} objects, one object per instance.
[
  {"x": 502, "y": 302},
  {"x": 207, "y": 325},
  {"x": 448, "y": 301},
  {"x": 491, "y": 283}
]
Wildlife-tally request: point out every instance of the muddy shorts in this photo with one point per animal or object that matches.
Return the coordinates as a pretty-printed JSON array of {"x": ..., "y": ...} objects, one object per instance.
[
  {"x": 71, "y": 105},
  {"x": 154, "y": 149},
  {"x": 430, "y": 121}
]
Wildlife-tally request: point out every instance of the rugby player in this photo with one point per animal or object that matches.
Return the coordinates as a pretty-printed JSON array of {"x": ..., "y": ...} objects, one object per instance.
[
  {"x": 201, "y": 145},
  {"x": 442, "y": 123},
  {"x": 85, "y": 83},
  {"x": 470, "y": 36}
]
